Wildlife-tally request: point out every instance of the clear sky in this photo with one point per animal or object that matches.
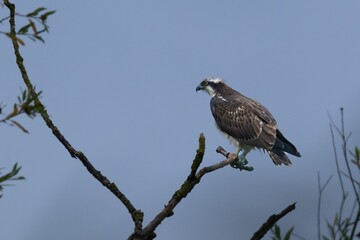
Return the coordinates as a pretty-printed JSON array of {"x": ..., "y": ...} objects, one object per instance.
[{"x": 119, "y": 79}]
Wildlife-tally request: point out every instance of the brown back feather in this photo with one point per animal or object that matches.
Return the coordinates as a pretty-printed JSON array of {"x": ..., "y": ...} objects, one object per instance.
[{"x": 244, "y": 119}]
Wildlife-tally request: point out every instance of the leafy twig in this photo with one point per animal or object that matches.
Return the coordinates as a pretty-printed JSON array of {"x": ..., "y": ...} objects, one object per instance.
[
  {"x": 24, "y": 106},
  {"x": 39, "y": 16},
  {"x": 10, "y": 176},
  {"x": 137, "y": 215},
  {"x": 344, "y": 147}
]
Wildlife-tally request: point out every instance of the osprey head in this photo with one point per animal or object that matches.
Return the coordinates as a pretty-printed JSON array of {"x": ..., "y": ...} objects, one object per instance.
[{"x": 210, "y": 85}]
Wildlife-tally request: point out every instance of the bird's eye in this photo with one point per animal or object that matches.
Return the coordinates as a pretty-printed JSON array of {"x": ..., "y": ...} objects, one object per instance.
[{"x": 205, "y": 83}]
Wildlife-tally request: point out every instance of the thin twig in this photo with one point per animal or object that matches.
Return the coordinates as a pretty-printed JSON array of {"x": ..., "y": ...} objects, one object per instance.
[
  {"x": 137, "y": 215},
  {"x": 8, "y": 17},
  {"x": 259, "y": 234},
  {"x": 353, "y": 210},
  {"x": 344, "y": 148},
  {"x": 343, "y": 195},
  {"x": 26, "y": 34},
  {"x": 344, "y": 138},
  {"x": 347, "y": 176},
  {"x": 337, "y": 160},
  {"x": 298, "y": 236},
  {"x": 320, "y": 189}
]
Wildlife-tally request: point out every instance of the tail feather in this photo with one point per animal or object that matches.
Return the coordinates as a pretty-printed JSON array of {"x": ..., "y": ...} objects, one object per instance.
[
  {"x": 282, "y": 144},
  {"x": 279, "y": 157}
]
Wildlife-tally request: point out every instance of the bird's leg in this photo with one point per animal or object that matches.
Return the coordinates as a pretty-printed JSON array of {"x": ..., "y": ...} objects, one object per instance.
[
  {"x": 242, "y": 158},
  {"x": 241, "y": 161}
]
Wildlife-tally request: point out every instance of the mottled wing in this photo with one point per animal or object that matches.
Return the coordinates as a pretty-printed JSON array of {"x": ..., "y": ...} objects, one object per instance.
[
  {"x": 246, "y": 120},
  {"x": 256, "y": 108}
]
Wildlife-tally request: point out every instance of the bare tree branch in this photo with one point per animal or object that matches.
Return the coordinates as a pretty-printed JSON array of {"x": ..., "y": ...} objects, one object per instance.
[
  {"x": 271, "y": 221},
  {"x": 336, "y": 158},
  {"x": 136, "y": 214}
]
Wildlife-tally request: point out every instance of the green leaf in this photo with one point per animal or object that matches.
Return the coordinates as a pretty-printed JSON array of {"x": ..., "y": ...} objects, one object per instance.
[
  {"x": 15, "y": 123},
  {"x": 33, "y": 26},
  {"x": 357, "y": 154},
  {"x": 38, "y": 38},
  {"x": 288, "y": 234},
  {"x": 21, "y": 42},
  {"x": 336, "y": 219},
  {"x": 331, "y": 230},
  {"x": 277, "y": 230},
  {"x": 15, "y": 109},
  {"x": 24, "y": 29},
  {"x": 35, "y": 12},
  {"x": 15, "y": 169},
  {"x": 10, "y": 176},
  {"x": 31, "y": 38},
  {"x": 24, "y": 95},
  {"x": 45, "y": 15}
]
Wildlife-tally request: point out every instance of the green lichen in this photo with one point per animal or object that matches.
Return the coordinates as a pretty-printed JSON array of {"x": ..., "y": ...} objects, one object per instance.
[
  {"x": 192, "y": 180},
  {"x": 137, "y": 215},
  {"x": 186, "y": 188},
  {"x": 198, "y": 157}
]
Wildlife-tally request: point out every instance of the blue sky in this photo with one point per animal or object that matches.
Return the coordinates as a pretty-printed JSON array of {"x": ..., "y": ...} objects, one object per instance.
[{"x": 119, "y": 78}]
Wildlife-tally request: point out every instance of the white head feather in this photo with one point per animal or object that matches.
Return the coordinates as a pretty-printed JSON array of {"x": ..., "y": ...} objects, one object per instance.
[{"x": 214, "y": 79}]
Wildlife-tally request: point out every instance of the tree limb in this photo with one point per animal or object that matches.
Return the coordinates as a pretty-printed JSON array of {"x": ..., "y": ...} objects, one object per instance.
[
  {"x": 259, "y": 234},
  {"x": 192, "y": 180},
  {"x": 136, "y": 214}
]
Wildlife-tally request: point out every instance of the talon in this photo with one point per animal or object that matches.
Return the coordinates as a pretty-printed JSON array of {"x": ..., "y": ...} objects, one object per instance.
[
  {"x": 248, "y": 168},
  {"x": 241, "y": 163},
  {"x": 234, "y": 165}
]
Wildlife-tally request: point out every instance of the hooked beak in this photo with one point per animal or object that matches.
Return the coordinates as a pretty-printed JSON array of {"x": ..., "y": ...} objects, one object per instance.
[{"x": 198, "y": 88}]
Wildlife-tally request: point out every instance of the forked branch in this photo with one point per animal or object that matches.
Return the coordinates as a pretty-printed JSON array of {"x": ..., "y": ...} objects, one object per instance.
[{"x": 192, "y": 180}]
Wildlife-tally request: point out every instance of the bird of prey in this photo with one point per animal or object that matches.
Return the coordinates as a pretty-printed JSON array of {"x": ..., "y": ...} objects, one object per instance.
[{"x": 246, "y": 123}]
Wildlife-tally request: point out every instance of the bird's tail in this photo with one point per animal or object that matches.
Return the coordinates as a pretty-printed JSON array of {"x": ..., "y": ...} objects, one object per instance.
[
  {"x": 282, "y": 144},
  {"x": 279, "y": 157}
]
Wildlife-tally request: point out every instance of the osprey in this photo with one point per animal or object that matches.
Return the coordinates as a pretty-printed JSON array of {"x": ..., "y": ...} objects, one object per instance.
[{"x": 246, "y": 123}]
